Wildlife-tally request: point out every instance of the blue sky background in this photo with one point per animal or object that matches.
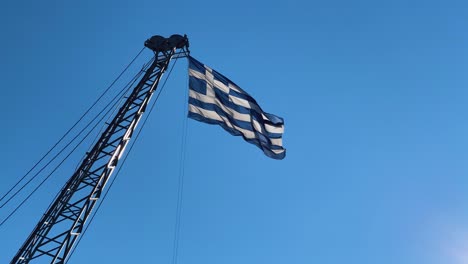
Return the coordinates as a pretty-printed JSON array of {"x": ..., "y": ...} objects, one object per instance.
[{"x": 373, "y": 94}]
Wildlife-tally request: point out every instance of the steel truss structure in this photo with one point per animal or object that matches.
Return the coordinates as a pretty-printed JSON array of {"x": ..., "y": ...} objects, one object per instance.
[{"x": 56, "y": 233}]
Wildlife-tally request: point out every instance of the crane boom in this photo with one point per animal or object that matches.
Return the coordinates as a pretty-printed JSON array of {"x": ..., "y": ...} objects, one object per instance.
[{"x": 57, "y": 231}]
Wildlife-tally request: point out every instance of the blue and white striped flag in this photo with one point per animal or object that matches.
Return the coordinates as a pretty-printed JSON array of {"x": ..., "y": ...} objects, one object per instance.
[{"x": 214, "y": 99}]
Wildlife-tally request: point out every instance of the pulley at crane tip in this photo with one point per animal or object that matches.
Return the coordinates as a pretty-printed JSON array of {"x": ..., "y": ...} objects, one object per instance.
[{"x": 159, "y": 43}]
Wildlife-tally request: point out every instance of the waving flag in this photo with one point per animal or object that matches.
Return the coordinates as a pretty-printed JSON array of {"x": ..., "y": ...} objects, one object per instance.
[{"x": 214, "y": 99}]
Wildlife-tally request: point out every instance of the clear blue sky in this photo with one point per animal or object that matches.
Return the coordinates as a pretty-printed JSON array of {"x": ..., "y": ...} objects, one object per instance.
[{"x": 373, "y": 93}]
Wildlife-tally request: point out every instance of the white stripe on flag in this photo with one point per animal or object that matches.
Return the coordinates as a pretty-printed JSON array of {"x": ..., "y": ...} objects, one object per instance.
[
  {"x": 277, "y": 141},
  {"x": 235, "y": 88},
  {"x": 221, "y": 86},
  {"x": 240, "y": 101},
  {"x": 213, "y": 100},
  {"x": 246, "y": 104},
  {"x": 209, "y": 82},
  {"x": 274, "y": 129},
  {"x": 196, "y": 74},
  {"x": 205, "y": 113},
  {"x": 277, "y": 151},
  {"x": 214, "y": 116},
  {"x": 256, "y": 125}
]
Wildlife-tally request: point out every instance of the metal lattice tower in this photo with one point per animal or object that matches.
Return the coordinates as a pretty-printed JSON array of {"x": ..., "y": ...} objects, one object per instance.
[{"x": 56, "y": 233}]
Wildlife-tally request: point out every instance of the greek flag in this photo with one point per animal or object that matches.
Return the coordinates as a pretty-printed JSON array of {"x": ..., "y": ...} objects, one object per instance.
[{"x": 214, "y": 99}]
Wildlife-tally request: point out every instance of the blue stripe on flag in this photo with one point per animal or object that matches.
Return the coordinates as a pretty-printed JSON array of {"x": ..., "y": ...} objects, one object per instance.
[
  {"x": 197, "y": 85},
  {"x": 275, "y": 120},
  {"x": 196, "y": 65},
  {"x": 242, "y": 96}
]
